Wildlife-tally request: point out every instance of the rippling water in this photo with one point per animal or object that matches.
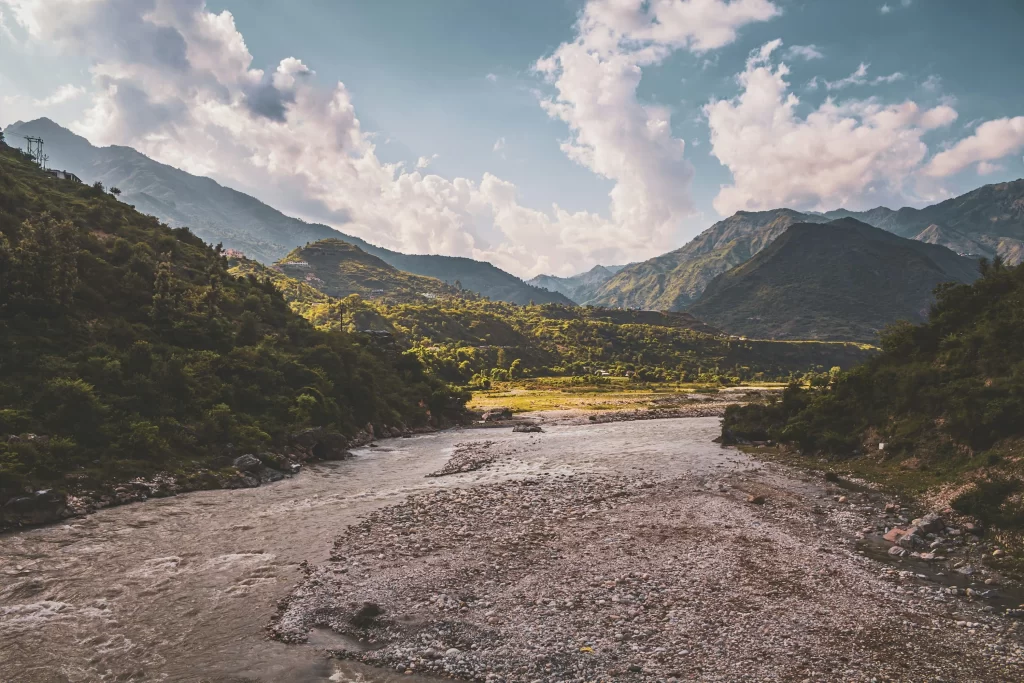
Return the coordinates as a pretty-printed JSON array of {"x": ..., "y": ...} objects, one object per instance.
[{"x": 180, "y": 589}]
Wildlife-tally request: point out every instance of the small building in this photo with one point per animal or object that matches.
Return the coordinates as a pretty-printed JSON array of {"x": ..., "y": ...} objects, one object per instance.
[{"x": 64, "y": 175}]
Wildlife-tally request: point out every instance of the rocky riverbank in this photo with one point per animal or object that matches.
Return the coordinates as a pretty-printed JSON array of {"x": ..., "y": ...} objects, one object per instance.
[
  {"x": 33, "y": 508},
  {"x": 755, "y": 575}
]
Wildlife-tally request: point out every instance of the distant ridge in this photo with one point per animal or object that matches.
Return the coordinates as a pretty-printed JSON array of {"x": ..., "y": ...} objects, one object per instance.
[
  {"x": 842, "y": 281},
  {"x": 219, "y": 214}
]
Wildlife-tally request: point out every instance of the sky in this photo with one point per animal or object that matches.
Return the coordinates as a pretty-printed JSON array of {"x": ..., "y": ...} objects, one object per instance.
[{"x": 545, "y": 136}]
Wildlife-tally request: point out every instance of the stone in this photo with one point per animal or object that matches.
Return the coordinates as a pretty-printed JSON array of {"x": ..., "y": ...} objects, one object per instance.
[
  {"x": 897, "y": 551},
  {"x": 894, "y": 534},
  {"x": 248, "y": 463},
  {"x": 452, "y": 652},
  {"x": 843, "y": 499},
  {"x": 529, "y": 429},
  {"x": 998, "y": 552},
  {"x": 931, "y": 523},
  {"x": 756, "y": 500},
  {"x": 37, "y": 508},
  {"x": 496, "y": 414}
]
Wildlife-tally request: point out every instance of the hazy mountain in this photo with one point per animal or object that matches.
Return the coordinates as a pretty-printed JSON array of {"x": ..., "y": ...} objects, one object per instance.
[
  {"x": 579, "y": 288},
  {"x": 338, "y": 269},
  {"x": 672, "y": 281},
  {"x": 239, "y": 221},
  {"x": 844, "y": 280}
]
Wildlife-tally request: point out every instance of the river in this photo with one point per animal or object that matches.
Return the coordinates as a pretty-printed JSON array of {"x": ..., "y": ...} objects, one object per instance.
[{"x": 181, "y": 589}]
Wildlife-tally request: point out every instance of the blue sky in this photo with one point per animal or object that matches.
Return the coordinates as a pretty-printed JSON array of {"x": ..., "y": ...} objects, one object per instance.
[{"x": 877, "y": 103}]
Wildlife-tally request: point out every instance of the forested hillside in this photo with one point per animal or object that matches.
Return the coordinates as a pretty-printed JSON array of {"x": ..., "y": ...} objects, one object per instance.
[
  {"x": 126, "y": 348},
  {"x": 339, "y": 269},
  {"x": 220, "y": 214},
  {"x": 841, "y": 281},
  {"x": 472, "y": 341},
  {"x": 943, "y": 397}
]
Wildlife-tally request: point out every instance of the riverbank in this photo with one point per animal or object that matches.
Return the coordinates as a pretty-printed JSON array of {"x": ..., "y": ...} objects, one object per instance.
[{"x": 635, "y": 571}]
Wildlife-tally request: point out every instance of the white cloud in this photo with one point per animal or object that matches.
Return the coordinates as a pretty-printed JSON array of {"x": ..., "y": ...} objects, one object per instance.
[
  {"x": 858, "y": 77},
  {"x": 856, "y": 153},
  {"x": 988, "y": 168},
  {"x": 499, "y": 147},
  {"x": 933, "y": 83},
  {"x": 64, "y": 93},
  {"x": 5, "y": 30},
  {"x": 991, "y": 141},
  {"x": 885, "y": 9},
  {"x": 891, "y": 78},
  {"x": 807, "y": 52},
  {"x": 423, "y": 162},
  {"x": 906, "y": 3},
  {"x": 184, "y": 91},
  {"x": 493, "y": 78},
  {"x": 612, "y": 132}
]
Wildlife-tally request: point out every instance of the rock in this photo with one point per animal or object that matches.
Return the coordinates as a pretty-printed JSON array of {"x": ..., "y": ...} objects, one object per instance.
[
  {"x": 892, "y": 507},
  {"x": 897, "y": 551},
  {"x": 910, "y": 540},
  {"x": 38, "y": 508},
  {"x": 530, "y": 429},
  {"x": 248, "y": 463},
  {"x": 974, "y": 529},
  {"x": 998, "y": 552},
  {"x": 966, "y": 570},
  {"x": 931, "y": 523},
  {"x": 452, "y": 652},
  {"x": 756, "y": 500},
  {"x": 496, "y": 414},
  {"x": 843, "y": 499},
  {"x": 894, "y": 534}
]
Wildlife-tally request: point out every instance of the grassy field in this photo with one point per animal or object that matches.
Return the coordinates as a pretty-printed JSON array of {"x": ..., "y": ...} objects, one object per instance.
[{"x": 561, "y": 393}]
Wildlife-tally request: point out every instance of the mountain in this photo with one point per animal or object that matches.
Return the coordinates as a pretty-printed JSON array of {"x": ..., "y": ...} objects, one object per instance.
[
  {"x": 127, "y": 349},
  {"x": 673, "y": 281},
  {"x": 339, "y": 269},
  {"x": 579, "y": 288},
  {"x": 219, "y": 214},
  {"x": 988, "y": 221},
  {"x": 945, "y": 398},
  {"x": 844, "y": 280}
]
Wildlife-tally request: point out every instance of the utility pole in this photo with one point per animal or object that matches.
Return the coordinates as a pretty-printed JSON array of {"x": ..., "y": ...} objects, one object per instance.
[{"x": 35, "y": 150}]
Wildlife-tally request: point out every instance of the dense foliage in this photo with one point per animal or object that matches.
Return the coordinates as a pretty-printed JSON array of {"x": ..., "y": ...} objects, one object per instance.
[
  {"x": 473, "y": 341},
  {"x": 128, "y": 347},
  {"x": 841, "y": 281},
  {"x": 949, "y": 389}
]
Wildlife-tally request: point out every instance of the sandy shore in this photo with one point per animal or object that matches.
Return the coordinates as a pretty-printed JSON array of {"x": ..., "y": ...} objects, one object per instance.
[{"x": 631, "y": 572}]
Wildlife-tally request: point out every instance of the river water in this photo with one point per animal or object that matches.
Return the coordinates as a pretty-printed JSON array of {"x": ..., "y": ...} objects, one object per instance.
[{"x": 180, "y": 589}]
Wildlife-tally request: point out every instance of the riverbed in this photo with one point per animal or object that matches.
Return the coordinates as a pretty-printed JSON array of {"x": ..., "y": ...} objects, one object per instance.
[{"x": 182, "y": 588}]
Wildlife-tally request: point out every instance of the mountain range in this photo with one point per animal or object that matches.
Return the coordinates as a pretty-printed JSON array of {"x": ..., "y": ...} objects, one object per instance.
[
  {"x": 577, "y": 287},
  {"x": 844, "y": 280},
  {"x": 220, "y": 214},
  {"x": 985, "y": 222}
]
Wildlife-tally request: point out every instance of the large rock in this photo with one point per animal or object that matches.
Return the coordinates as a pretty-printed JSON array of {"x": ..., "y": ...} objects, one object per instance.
[
  {"x": 318, "y": 443},
  {"x": 930, "y": 523},
  {"x": 37, "y": 508},
  {"x": 248, "y": 463}
]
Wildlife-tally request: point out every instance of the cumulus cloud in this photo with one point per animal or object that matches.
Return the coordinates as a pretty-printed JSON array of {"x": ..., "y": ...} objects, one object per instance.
[
  {"x": 493, "y": 78},
  {"x": 885, "y": 9},
  {"x": 177, "y": 81},
  {"x": 807, "y": 52},
  {"x": 611, "y": 131},
  {"x": 855, "y": 153},
  {"x": 64, "y": 93},
  {"x": 991, "y": 141}
]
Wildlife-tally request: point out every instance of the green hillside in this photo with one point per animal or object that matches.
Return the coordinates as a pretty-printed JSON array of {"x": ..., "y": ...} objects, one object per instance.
[
  {"x": 127, "y": 349},
  {"x": 673, "y": 281},
  {"x": 946, "y": 398},
  {"x": 470, "y": 341},
  {"x": 222, "y": 215},
  {"x": 339, "y": 269},
  {"x": 841, "y": 281}
]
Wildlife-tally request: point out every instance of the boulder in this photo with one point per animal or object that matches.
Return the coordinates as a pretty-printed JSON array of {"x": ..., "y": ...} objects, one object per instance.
[
  {"x": 930, "y": 523},
  {"x": 248, "y": 463},
  {"x": 36, "y": 508}
]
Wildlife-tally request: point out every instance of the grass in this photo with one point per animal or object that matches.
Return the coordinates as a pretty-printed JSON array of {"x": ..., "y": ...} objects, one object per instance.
[{"x": 562, "y": 393}]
